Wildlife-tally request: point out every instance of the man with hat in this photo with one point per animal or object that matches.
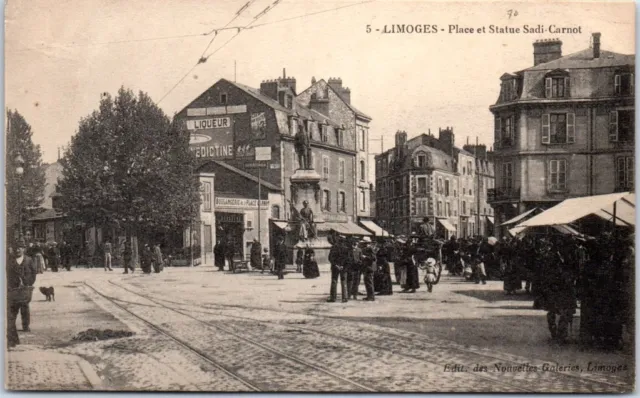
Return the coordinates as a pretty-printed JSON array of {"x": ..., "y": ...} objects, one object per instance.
[
  {"x": 356, "y": 269},
  {"x": 339, "y": 267},
  {"x": 21, "y": 271},
  {"x": 368, "y": 267}
]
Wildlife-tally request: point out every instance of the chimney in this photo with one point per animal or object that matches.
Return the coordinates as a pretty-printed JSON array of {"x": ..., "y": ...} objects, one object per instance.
[
  {"x": 596, "y": 44},
  {"x": 546, "y": 50},
  {"x": 446, "y": 138},
  {"x": 313, "y": 80},
  {"x": 269, "y": 88},
  {"x": 343, "y": 92},
  {"x": 401, "y": 139}
]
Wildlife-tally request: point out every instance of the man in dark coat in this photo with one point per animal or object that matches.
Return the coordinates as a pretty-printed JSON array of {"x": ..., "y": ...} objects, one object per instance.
[
  {"x": 256, "y": 254},
  {"x": 230, "y": 252},
  {"x": 280, "y": 257},
  {"x": 339, "y": 262},
  {"x": 157, "y": 258},
  {"x": 218, "y": 255},
  {"x": 21, "y": 271},
  {"x": 53, "y": 255},
  {"x": 355, "y": 269},
  {"x": 369, "y": 268}
]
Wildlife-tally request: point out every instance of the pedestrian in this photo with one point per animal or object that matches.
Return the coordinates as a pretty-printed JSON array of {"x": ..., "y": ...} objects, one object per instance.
[
  {"x": 230, "y": 252},
  {"x": 280, "y": 257},
  {"x": 88, "y": 254},
  {"x": 413, "y": 278},
  {"x": 54, "y": 256},
  {"x": 356, "y": 269},
  {"x": 338, "y": 258},
  {"x": 432, "y": 275},
  {"x": 218, "y": 255},
  {"x": 21, "y": 271},
  {"x": 256, "y": 254},
  {"x": 267, "y": 262},
  {"x": 382, "y": 277},
  {"x": 369, "y": 267},
  {"x": 65, "y": 254},
  {"x": 157, "y": 258},
  {"x": 299, "y": 260},
  {"x": 146, "y": 259},
  {"x": 127, "y": 258},
  {"x": 107, "y": 249},
  {"x": 38, "y": 258},
  {"x": 310, "y": 268}
]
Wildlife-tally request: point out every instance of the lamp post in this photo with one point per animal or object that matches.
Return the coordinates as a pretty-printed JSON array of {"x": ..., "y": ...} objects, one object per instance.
[{"x": 19, "y": 171}]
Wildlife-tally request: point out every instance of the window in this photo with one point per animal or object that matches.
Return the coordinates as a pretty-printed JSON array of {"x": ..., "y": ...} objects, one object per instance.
[
  {"x": 326, "y": 200},
  {"x": 288, "y": 101},
  {"x": 556, "y": 87},
  {"x": 507, "y": 176},
  {"x": 464, "y": 208},
  {"x": 223, "y": 98},
  {"x": 558, "y": 128},
  {"x": 470, "y": 192},
  {"x": 363, "y": 139},
  {"x": 342, "y": 202},
  {"x": 446, "y": 187},
  {"x": 624, "y": 172},
  {"x": 313, "y": 160},
  {"x": 294, "y": 126},
  {"x": 325, "y": 167},
  {"x": 404, "y": 208},
  {"x": 557, "y": 175},
  {"x": 205, "y": 188},
  {"x": 623, "y": 84},
  {"x": 621, "y": 126},
  {"x": 469, "y": 168},
  {"x": 341, "y": 170},
  {"x": 509, "y": 90},
  {"x": 406, "y": 185},
  {"x": 421, "y": 205},
  {"x": 422, "y": 185},
  {"x": 421, "y": 160},
  {"x": 275, "y": 212},
  {"x": 363, "y": 200},
  {"x": 363, "y": 171},
  {"x": 340, "y": 134},
  {"x": 324, "y": 137},
  {"x": 439, "y": 209},
  {"x": 448, "y": 210}
]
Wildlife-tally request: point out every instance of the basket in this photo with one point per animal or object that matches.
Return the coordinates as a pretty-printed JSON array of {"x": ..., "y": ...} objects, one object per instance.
[{"x": 20, "y": 295}]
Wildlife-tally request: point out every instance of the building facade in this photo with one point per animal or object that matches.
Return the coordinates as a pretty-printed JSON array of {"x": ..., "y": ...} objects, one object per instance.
[
  {"x": 484, "y": 180},
  {"x": 231, "y": 123},
  {"x": 427, "y": 177},
  {"x": 563, "y": 128}
]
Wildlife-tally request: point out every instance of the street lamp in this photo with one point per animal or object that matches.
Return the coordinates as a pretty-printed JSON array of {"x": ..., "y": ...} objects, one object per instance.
[{"x": 19, "y": 161}]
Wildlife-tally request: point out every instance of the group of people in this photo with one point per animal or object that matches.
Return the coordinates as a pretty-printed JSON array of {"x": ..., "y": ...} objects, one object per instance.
[{"x": 49, "y": 256}]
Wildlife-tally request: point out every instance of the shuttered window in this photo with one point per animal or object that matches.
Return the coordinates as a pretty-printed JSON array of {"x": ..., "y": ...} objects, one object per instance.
[{"x": 557, "y": 175}]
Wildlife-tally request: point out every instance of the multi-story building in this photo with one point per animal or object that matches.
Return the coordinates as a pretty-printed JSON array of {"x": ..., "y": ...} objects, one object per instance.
[
  {"x": 563, "y": 128},
  {"x": 229, "y": 121},
  {"x": 484, "y": 180},
  {"x": 426, "y": 177}
]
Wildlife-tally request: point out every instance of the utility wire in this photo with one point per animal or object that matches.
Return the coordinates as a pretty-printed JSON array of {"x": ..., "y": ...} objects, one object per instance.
[{"x": 204, "y": 59}]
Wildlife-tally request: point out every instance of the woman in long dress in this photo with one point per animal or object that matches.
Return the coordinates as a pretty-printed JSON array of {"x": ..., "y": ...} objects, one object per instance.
[
  {"x": 382, "y": 278},
  {"x": 310, "y": 268},
  {"x": 413, "y": 278},
  {"x": 38, "y": 258}
]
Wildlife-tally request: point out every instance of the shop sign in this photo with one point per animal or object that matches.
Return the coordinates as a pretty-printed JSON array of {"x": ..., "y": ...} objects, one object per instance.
[
  {"x": 237, "y": 218},
  {"x": 240, "y": 203},
  {"x": 211, "y": 138}
]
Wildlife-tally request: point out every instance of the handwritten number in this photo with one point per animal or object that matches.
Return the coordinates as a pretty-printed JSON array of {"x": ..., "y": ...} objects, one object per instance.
[{"x": 512, "y": 13}]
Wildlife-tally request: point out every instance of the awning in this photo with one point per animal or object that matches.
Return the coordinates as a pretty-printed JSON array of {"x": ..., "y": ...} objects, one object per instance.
[
  {"x": 447, "y": 225},
  {"x": 520, "y": 217},
  {"x": 374, "y": 228},
  {"x": 283, "y": 225},
  {"x": 565, "y": 229},
  {"x": 344, "y": 228},
  {"x": 491, "y": 220},
  {"x": 574, "y": 209}
]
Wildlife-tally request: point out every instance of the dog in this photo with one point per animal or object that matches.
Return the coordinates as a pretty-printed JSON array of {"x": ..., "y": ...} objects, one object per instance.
[{"x": 49, "y": 292}]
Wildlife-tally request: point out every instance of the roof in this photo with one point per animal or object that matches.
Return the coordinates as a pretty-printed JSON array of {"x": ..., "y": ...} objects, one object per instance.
[
  {"x": 584, "y": 59},
  {"x": 574, "y": 209},
  {"x": 348, "y": 104},
  {"x": 344, "y": 228},
  {"x": 521, "y": 217},
  {"x": 249, "y": 176},
  {"x": 48, "y": 214}
]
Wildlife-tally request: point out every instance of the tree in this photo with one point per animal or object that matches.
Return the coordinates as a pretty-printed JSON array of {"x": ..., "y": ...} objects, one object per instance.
[
  {"x": 25, "y": 192},
  {"x": 130, "y": 167}
]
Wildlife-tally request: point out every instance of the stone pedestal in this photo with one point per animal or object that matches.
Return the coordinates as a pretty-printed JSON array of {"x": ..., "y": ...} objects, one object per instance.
[{"x": 305, "y": 186}]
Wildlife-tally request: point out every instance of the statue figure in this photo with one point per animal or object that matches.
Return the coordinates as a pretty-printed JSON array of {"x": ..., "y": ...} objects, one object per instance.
[
  {"x": 307, "y": 226},
  {"x": 303, "y": 148}
]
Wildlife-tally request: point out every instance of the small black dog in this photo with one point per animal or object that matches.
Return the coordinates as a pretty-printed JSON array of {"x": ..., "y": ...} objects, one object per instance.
[{"x": 48, "y": 292}]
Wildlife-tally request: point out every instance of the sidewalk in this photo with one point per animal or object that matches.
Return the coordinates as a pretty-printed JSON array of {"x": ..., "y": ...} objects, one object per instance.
[{"x": 33, "y": 368}]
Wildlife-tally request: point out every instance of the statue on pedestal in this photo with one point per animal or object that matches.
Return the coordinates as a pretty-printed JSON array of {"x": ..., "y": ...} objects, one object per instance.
[
  {"x": 303, "y": 149},
  {"x": 307, "y": 226}
]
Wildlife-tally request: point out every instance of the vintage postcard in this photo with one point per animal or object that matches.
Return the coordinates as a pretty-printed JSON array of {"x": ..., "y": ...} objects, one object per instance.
[{"x": 312, "y": 196}]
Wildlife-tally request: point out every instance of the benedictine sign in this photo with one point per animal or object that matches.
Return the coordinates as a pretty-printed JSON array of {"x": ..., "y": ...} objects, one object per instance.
[{"x": 211, "y": 138}]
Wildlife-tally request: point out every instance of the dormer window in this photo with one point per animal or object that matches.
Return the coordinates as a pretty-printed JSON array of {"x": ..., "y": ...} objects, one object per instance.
[
  {"x": 294, "y": 126},
  {"x": 339, "y": 136},
  {"x": 324, "y": 137},
  {"x": 421, "y": 160},
  {"x": 623, "y": 84},
  {"x": 509, "y": 87},
  {"x": 556, "y": 84},
  {"x": 288, "y": 101}
]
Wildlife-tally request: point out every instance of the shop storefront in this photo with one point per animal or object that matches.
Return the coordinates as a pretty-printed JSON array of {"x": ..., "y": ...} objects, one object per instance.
[{"x": 241, "y": 220}]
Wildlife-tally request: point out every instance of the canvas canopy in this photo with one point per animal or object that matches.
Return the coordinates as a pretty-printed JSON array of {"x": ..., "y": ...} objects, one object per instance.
[
  {"x": 375, "y": 228},
  {"x": 521, "y": 217},
  {"x": 565, "y": 229},
  {"x": 574, "y": 209}
]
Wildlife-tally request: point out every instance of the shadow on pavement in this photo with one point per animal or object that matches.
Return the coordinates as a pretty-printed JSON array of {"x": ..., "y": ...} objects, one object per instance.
[{"x": 493, "y": 296}]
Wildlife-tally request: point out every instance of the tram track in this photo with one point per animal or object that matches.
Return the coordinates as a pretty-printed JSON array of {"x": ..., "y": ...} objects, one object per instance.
[
  {"x": 598, "y": 385},
  {"x": 251, "y": 384}
]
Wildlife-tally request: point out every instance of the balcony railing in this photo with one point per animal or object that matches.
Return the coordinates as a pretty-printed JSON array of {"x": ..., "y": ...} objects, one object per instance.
[{"x": 498, "y": 194}]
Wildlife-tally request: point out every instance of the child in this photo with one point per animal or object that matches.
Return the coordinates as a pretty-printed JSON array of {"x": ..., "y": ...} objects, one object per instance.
[
  {"x": 267, "y": 261},
  {"x": 299, "y": 260}
]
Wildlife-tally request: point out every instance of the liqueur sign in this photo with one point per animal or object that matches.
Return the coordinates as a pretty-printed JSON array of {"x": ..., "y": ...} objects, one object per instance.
[{"x": 211, "y": 138}]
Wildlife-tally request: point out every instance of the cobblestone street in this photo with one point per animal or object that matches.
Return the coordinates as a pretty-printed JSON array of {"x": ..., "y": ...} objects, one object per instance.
[{"x": 197, "y": 329}]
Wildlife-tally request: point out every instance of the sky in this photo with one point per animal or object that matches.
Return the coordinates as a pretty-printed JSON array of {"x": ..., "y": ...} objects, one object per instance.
[{"x": 60, "y": 56}]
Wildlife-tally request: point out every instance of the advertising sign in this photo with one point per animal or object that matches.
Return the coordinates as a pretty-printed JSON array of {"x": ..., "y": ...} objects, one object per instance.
[
  {"x": 258, "y": 126},
  {"x": 212, "y": 137},
  {"x": 263, "y": 153},
  {"x": 239, "y": 203}
]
